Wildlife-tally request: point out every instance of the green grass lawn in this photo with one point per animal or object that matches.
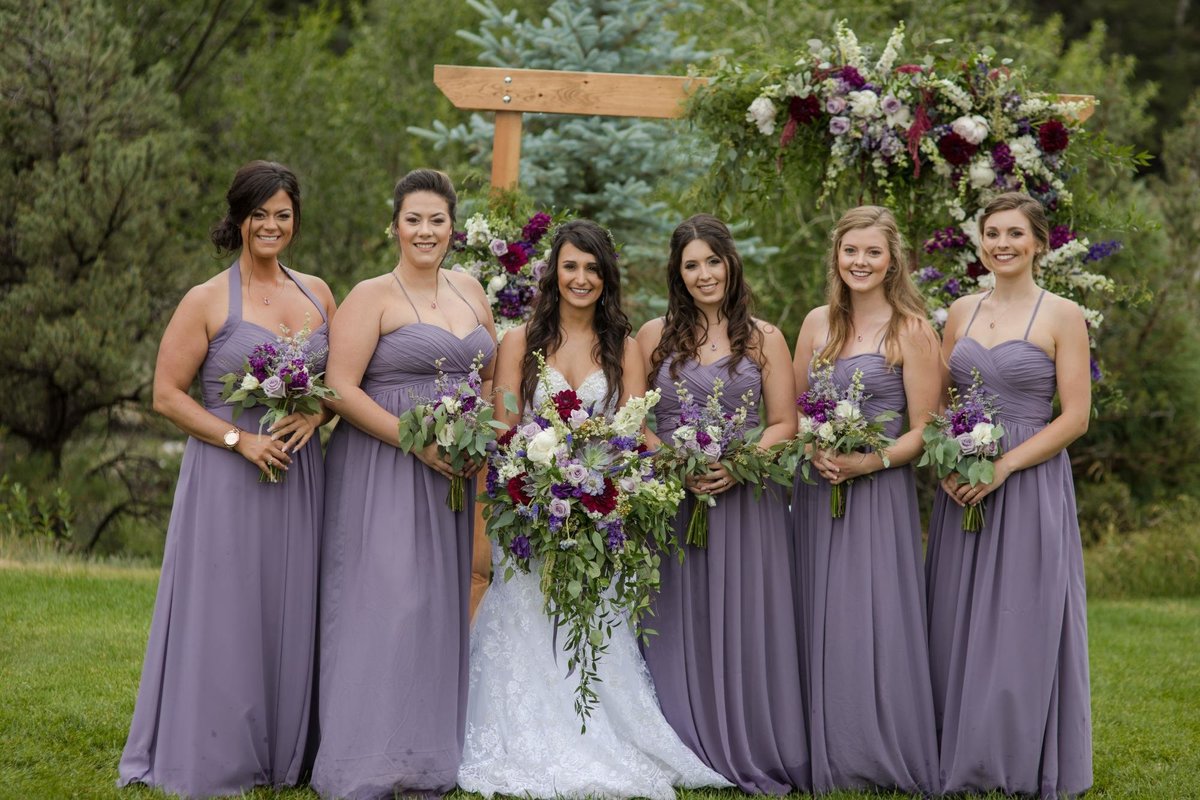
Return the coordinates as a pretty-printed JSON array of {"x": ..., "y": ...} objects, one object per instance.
[{"x": 72, "y": 639}]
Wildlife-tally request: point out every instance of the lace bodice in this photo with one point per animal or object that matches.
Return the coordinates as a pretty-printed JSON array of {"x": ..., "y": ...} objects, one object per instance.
[{"x": 591, "y": 392}]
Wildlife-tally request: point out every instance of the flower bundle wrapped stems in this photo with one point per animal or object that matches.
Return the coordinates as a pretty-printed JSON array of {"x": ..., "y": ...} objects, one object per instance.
[
  {"x": 833, "y": 420},
  {"x": 965, "y": 441},
  {"x": 281, "y": 376},
  {"x": 573, "y": 494},
  {"x": 460, "y": 420}
]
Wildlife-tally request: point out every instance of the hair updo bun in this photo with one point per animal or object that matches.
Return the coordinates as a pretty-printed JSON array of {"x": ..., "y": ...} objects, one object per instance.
[{"x": 254, "y": 184}]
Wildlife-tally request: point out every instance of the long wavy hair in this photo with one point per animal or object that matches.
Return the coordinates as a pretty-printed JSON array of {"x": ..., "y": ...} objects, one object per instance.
[
  {"x": 898, "y": 287},
  {"x": 685, "y": 328},
  {"x": 544, "y": 331}
]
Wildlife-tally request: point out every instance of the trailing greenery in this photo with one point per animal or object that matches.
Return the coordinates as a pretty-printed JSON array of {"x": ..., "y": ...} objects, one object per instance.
[{"x": 72, "y": 638}]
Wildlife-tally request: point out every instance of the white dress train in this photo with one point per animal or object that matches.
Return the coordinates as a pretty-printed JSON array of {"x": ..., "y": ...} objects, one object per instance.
[{"x": 523, "y": 735}]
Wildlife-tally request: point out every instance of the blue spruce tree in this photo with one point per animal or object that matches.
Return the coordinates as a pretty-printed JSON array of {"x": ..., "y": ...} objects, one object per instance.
[{"x": 619, "y": 171}]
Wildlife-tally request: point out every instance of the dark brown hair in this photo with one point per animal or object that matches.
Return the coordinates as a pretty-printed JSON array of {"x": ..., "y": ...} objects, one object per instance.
[
  {"x": 543, "y": 331},
  {"x": 425, "y": 180},
  {"x": 254, "y": 184},
  {"x": 684, "y": 327}
]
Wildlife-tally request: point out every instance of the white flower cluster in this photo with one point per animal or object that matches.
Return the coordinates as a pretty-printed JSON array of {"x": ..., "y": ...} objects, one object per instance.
[
  {"x": 478, "y": 232},
  {"x": 631, "y": 416},
  {"x": 847, "y": 44},
  {"x": 892, "y": 51},
  {"x": 762, "y": 113},
  {"x": 956, "y": 94}
]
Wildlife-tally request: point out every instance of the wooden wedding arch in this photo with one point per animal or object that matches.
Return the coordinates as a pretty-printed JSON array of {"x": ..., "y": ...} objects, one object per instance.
[{"x": 510, "y": 93}]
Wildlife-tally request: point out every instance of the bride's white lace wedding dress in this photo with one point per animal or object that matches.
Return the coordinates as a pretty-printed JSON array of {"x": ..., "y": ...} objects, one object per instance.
[{"x": 523, "y": 735}]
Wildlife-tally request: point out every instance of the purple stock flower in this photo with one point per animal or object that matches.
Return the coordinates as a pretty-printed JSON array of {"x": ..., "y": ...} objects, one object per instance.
[
  {"x": 953, "y": 287},
  {"x": 1097, "y": 374},
  {"x": 946, "y": 239},
  {"x": 536, "y": 228},
  {"x": 1101, "y": 250},
  {"x": 928, "y": 274},
  {"x": 852, "y": 77},
  {"x": 623, "y": 442},
  {"x": 616, "y": 535},
  {"x": 492, "y": 480},
  {"x": 469, "y": 402},
  {"x": 703, "y": 439}
]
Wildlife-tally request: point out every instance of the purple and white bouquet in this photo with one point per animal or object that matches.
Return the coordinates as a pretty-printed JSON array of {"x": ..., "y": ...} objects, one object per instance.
[
  {"x": 966, "y": 441},
  {"x": 707, "y": 434},
  {"x": 572, "y": 494},
  {"x": 280, "y": 375},
  {"x": 507, "y": 253},
  {"x": 459, "y": 419},
  {"x": 833, "y": 419}
]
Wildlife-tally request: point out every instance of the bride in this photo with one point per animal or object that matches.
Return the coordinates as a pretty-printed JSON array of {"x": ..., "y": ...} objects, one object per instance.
[{"x": 522, "y": 735}]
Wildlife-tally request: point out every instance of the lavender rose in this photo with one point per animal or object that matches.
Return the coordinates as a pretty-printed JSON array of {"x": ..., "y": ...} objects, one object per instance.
[
  {"x": 967, "y": 444},
  {"x": 273, "y": 386}
]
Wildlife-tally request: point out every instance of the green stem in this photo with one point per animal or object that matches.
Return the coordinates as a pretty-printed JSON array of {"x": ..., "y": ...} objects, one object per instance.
[{"x": 697, "y": 532}]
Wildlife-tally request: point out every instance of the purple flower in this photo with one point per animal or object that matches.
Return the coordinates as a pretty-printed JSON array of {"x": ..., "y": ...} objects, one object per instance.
[
  {"x": 953, "y": 287},
  {"x": 928, "y": 274},
  {"x": 946, "y": 239},
  {"x": 1060, "y": 235},
  {"x": 1002, "y": 159},
  {"x": 536, "y": 228},
  {"x": 623, "y": 442},
  {"x": 1101, "y": 250},
  {"x": 520, "y": 548},
  {"x": 299, "y": 381},
  {"x": 498, "y": 247},
  {"x": 703, "y": 439},
  {"x": 469, "y": 402},
  {"x": 839, "y": 125},
  {"x": 560, "y": 508},
  {"x": 560, "y": 490},
  {"x": 616, "y": 535},
  {"x": 1097, "y": 375},
  {"x": 835, "y": 105},
  {"x": 891, "y": 104},
  {"x": 852, "y": 77},
  {"x": 966, "y": 444},
  {"x": 492, "y": 480}
]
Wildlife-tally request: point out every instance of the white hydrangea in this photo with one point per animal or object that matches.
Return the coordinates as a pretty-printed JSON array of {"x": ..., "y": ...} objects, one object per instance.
[
  {"x": 864, "y": 103},
  {"x": 762, "y": 113}
]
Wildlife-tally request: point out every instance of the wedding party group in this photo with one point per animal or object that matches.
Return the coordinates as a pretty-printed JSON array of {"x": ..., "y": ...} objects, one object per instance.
[{"x": 709, "y": 562}]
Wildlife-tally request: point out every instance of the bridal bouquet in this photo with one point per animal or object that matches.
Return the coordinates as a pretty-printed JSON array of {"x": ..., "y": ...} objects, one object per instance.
[
  {"x": 572, "y": 495},
  {"x": 833, "y": 419},
  {"x": 282, "y": 376},
  {"x": 707, "y": 434},
  {"x": 966, "y": 441},
  {"x": 459, "y": 419}
]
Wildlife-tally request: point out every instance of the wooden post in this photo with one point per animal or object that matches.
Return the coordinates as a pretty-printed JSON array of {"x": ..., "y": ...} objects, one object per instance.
[{"x": 506, "y": 150}]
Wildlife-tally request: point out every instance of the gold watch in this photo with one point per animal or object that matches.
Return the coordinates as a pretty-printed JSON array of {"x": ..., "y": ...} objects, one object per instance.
[{"x": 231, "y": 438}]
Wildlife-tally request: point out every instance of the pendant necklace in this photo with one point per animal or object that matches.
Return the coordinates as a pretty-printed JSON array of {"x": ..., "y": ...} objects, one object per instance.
[{"x": 266, "y": 299}]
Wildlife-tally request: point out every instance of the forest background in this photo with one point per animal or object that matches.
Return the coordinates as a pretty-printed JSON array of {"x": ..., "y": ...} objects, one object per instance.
[{"x": 122, "y": 122}]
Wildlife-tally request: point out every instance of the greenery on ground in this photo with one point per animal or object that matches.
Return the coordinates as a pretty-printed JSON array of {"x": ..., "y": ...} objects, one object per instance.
[{"x": 72, "y": 637}]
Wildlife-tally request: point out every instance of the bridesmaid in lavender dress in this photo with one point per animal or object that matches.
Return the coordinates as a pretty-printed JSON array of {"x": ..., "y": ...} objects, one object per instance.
[
  {"x": 226, "y": 685},
  {"x": 1007, "y": 608},
  {"x": 860, "y": 579},
  {"x": 725, "y": 662},
  {"x": 395, "y": 560}
]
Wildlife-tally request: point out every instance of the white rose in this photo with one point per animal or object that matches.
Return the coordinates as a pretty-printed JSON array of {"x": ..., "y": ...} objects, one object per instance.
[
  {"x": 825, "y": 432},
  {"x": 806, "y": 425},
  {"x": 971, "y": 127},
  {"x": 445, "y": 437},
  {"x": 541, "y": 448},
  {"x": 762, "y": 113},
  {"x": 497, "y": 283},
  {"x": 940, "y": 316},
  {"x": 847, "y": 410},
  {"x": 449, "y": 403},
  {"x": 982, "y": 174},
  {"x": 578, "y": 417},
  {"x": 249, "y": 383}
]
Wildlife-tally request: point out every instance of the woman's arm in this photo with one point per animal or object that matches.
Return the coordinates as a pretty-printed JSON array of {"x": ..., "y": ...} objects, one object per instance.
[{"x": 181, "y": 352}]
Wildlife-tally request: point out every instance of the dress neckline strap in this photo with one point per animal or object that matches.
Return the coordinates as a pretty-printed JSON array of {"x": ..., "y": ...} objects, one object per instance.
[{"x": 1033, "y": 316}]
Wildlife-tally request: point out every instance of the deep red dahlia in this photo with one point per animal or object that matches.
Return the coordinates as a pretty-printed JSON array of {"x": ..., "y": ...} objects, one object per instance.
[
  {"x": 976, "y": 268},
  {"x": 956, "y": 149},
  {"x": 514, "y": 259},
  {"x": 565, "y": 402},
  {"x": 1053, "y": 136},
  {"x": 516, "y": 489},
  {"x": 805, "y": 109},
  {"x": 506, "y": 437},
  {"x": 601, "y": 503}
]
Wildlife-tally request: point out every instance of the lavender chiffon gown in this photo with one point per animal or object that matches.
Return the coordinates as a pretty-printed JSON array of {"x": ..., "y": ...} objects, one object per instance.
[
  {"x": 224, "y": 699},
  {"x": 395, "y": 591},
  {"x": 862, "y": 617},
  {"x": 726, "y": 662},
  {"x": 1007, "y": 605}
]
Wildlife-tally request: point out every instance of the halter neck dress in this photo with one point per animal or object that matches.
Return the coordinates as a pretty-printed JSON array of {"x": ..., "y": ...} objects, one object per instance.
[
  {"x": 224, "y": 699},
  {"x": 1007, "y": 605}
]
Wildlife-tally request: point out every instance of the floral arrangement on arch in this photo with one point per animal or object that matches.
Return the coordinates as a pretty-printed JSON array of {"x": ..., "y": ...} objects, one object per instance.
[
  {"x": 506, "y": 251},
  {"x": 931, "y": 137}
]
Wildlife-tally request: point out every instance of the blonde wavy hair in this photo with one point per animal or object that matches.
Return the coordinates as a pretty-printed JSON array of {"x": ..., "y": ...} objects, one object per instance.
[{"x": 898, "y": 286}]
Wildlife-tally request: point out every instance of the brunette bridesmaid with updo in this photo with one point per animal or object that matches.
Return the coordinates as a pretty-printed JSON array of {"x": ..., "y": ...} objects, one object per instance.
[{"x": 224, "y": 701}]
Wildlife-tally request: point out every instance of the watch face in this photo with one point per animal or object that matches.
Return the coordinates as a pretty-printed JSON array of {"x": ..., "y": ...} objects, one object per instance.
[{"x": 231, "y": 438}]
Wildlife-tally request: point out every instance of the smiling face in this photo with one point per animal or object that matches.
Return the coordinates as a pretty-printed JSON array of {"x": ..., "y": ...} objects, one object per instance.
[
  {"x": 580, "y": 283},
  {"x": 423, "y": 229},
  {"x": 267, "y": 230},
  {"x": 864, "y": 258},
  {"x": 1008, "y": 243},
  {"x": 705, "y": 274}
]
